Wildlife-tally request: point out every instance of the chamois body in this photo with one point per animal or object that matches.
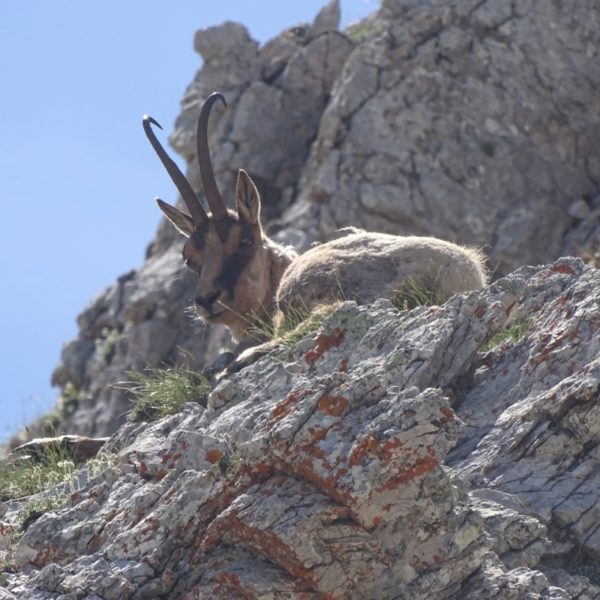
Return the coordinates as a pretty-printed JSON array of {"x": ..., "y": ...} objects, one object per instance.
[
  {"x": 364, "y": 266},
  {"x": 245, "y": 279}
]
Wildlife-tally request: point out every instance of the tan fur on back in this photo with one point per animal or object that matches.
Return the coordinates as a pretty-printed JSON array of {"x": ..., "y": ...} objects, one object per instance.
[
  {"x": 365, "y": 266},
  {"x": 245, "y": 280}
]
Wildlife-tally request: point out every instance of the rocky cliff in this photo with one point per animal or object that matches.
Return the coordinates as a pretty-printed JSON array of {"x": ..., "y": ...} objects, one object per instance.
[
  {"x": 445, "y": 452},
  {"x": 472, "y": 121}
]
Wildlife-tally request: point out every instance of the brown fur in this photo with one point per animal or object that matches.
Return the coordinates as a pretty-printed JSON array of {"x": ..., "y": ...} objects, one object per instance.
[
  {"x": 234, "y": 259},
  {"x": 244, "y": 278},
  {"x": 361, "y": 266},
  {"x": 364, "y": 266}
]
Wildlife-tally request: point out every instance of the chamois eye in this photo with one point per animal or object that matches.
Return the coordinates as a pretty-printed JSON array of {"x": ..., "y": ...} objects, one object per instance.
[{"x": 246, "y": 242}]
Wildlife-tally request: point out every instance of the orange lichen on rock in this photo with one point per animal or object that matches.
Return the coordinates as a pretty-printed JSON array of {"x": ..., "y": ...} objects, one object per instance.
[
  {"x": 231, "y": 580},
  {"x": 160, "y": 473},
  {"x": 389, "y": 452},
  {"x": 325, "y": 342},
  {"x": 343, "y": 365},
  {"x": 563, "y": 269},
  {"x": 329, "y": 485},
  {"x": 551, "y": 344},
  {"x": 150, "y": 526},
  {"x": 284, "y": 407},
  {"x": 365, "y": 446},
  {"x": 447, "y": 415},
  {"x": 312, "y": 448},
  {"x": 213, "y": 456},
  {"x": 423, "y": 466},
  {"x": 49, "y": 554},
  {"x": 272, "y": 546},
  {"x": 247, "y": 475},
  {"x": 333, "y": 405}
]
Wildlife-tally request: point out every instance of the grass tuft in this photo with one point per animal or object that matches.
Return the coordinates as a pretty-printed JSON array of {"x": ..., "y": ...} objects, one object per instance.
[
  {"x": 41, "y": 485},
  {"x": 363, "y": 30},
  {"x": 33, "y": 509},
  {"x": 293, "y": 326},
  {"x": 161, "y": 392},
  {"x": 513, "y": 332},
  {"x": 24, "y": 477},
  {"x": 299, "y": 323},
  {"x": 413, "y": 294},
  {"x": 21, "y": 477}
]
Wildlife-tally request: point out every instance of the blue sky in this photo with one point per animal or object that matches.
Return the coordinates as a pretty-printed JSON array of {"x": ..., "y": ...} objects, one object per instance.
[{"x": 78, "y": 176}]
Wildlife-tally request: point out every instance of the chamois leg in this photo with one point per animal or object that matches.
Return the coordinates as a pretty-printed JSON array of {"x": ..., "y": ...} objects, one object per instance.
[{"x": 247, "y": 352}]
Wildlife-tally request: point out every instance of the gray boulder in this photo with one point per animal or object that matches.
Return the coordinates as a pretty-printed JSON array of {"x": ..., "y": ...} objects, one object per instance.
[
  {"x": 433, "y": 453},
  {"x": 471, "y": 121}
]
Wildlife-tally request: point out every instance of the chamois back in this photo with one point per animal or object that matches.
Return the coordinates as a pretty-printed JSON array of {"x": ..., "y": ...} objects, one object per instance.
[
  {"x": 364, "y": 266},
  {"x": 245, "y": 279}
]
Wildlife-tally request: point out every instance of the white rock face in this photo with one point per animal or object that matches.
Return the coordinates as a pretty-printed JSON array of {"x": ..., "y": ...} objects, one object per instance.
[
  {"x": 472, "y": 121},
  {"x": 389, "y": 454}
]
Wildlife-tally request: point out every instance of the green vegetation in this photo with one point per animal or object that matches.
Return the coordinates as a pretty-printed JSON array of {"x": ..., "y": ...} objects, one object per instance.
[
  {"x": 300, "y": 323},
  {"x": 291, "y": 327},
  {"x": 106, "y": 344},
  {"x": 229, "y": 463},
  {"x": 514, "y": 332},
  {"x": 364, "y": 30},
  {"x": 23, "y": 476},
  {"x": 54, "y": 475},
  {"x": 70, "y": 400},
  {"x": 161, "y": 392},
  {"x": 103, "y": 461},
  {"x": 414, "y": 293},
  {"x": 33, "y": 509}
]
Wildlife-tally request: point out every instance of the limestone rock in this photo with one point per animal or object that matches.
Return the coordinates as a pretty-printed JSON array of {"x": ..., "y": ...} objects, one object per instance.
[
  {"x": 466, "y": 120},
  {"x": 389, "y": 454},
  {"x": 276, "y": 96},
  {"x": 471, "y": 121},
  {"x": 328, "y": 18}
]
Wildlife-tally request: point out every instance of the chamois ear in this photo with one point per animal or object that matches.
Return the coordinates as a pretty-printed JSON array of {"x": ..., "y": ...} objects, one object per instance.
[
  {"x": 247, "y": 198},
  {"x": 183, "y": 223}
]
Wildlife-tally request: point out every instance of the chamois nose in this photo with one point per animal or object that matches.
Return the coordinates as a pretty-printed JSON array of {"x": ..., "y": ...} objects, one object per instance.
[{"x": 207, "y": 302}]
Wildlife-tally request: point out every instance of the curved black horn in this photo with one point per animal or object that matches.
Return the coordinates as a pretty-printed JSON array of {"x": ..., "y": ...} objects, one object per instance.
[
  {"x": 215, "y": 201},
  {"x": 197, "y": 213}
]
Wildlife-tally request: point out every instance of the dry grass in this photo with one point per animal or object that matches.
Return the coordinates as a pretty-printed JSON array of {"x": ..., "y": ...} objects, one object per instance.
[{"x": 161, "y": 392}]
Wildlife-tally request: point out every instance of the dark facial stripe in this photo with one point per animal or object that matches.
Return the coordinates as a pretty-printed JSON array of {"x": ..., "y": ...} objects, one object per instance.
[
  {"x": 198, "y": 236},
  {"x": 232, "y": 269},
  {"x": 234, "y": 265},
  {"x": 223, "y": 226}
]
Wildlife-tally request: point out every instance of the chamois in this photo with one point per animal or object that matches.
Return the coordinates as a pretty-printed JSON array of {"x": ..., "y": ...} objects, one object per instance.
[{"x": 243, "y": 277}]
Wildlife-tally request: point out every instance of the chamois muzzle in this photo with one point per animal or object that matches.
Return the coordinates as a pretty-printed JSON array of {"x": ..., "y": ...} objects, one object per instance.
[{"x": 207, "y": 302}]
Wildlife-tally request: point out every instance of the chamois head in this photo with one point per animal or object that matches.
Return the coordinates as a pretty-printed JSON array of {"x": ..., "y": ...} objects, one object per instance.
[{"x": 224, "y": 248}]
